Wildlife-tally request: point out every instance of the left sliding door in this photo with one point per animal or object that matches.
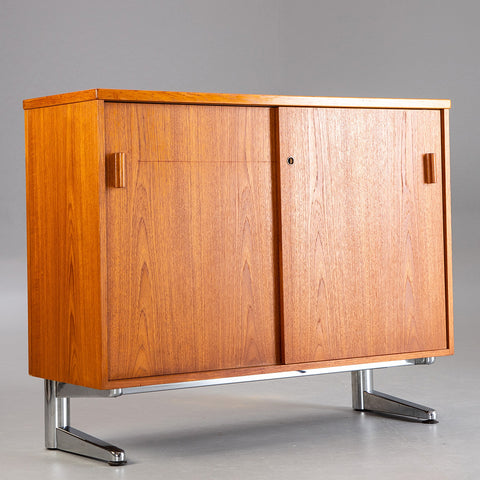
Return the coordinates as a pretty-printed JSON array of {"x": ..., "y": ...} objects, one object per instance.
[{"x": 191, "y": 240}]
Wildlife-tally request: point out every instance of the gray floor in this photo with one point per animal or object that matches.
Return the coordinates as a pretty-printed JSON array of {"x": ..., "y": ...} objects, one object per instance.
[{"x": 285, "y": 429}]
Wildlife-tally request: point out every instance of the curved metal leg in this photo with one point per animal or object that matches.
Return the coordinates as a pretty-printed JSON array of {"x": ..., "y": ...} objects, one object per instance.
[
  {"x": 61, "y": 436},
  {"x": 365, "y": 398}
]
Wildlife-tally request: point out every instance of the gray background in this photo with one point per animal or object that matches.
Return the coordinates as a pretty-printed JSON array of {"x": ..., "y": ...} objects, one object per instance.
[{"x": 408, "y": 48}]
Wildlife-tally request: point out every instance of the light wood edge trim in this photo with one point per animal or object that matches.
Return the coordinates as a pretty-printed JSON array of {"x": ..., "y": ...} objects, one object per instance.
[
  {"x": 148, "y": 96},
  {"x": 447, "y": 218},
  {"x": 185, "y": 377}
]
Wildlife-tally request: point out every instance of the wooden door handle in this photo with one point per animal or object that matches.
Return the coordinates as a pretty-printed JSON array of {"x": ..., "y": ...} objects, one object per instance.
[
  {"x": 429, "y": 168},
  {"x": 118, "y": 169}
]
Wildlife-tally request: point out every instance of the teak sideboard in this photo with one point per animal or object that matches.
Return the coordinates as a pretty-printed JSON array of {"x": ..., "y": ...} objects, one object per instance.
[{"x": 177, "y": 239}]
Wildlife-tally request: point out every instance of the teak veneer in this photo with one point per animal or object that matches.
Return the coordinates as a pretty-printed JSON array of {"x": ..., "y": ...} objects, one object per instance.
[
  {"x": 178, "y": 237},
  {"x": 190, "y": 98}
]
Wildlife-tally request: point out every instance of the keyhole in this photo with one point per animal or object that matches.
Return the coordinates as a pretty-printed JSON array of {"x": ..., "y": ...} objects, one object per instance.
[{"x": 290, "y": 160}]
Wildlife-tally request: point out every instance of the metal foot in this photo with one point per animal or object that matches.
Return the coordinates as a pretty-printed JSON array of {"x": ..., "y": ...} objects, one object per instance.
[
  {"x": 61, "y": 436},
  {"x": 365, "y": 398}
]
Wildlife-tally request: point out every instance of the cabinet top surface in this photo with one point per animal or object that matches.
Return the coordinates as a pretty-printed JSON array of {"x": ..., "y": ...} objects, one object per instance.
[{"x": 150, "y": 96}]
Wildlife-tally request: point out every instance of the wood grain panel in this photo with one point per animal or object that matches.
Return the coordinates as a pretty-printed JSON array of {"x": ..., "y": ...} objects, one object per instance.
[
  {"x": 192, "y": 133},
  {"x": 192, "y": 261},
  {"x": 362, "y": 234},
  {"x": 149, "y": 96},
  {"x": 64, "y": 159}
]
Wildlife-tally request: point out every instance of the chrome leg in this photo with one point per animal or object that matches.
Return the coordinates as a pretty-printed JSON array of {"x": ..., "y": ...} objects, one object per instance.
[
  {"x": 61, "y": 436},
  {"x": 362, "y": 381},
  {"x": 365, "y": 398},
  {"x": 57, "y": 413}
]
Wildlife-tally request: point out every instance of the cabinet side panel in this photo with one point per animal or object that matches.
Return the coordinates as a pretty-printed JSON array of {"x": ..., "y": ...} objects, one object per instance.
[{"x": 63, "y": 238}]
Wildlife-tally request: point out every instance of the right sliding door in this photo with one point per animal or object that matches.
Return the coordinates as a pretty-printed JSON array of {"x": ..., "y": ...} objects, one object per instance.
[{"x": 362, "y": 233}]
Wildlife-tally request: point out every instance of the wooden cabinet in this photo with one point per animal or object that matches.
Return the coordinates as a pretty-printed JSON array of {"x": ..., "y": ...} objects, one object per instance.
[{"x": 176, "y": 236}]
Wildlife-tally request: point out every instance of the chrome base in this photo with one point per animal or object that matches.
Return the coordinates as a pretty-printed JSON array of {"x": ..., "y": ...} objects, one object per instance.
[
  {"x": 365, "y": 398},
  {"x": 61, "y": 436}
]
